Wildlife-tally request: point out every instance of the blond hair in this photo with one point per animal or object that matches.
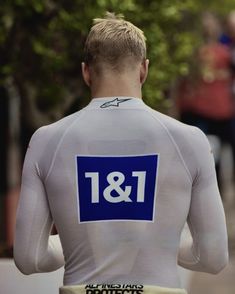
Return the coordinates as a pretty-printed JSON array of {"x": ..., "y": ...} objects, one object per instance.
[{"x": 112, "y": 40}]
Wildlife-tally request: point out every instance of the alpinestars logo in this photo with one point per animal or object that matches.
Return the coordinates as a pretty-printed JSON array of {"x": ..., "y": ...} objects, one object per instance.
[
  {"x": 114, "y": 289},
  {"x": 115, "y": 102}
]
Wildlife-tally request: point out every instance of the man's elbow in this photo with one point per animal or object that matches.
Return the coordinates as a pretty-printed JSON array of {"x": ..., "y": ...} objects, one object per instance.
[
  {"x": 23, "y": 269},
  {"x": 217, "y": 264},
  {"x": 25, "y": 264}
]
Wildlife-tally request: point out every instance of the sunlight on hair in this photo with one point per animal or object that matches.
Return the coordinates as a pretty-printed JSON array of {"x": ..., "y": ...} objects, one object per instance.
[
  {"x": 109, "y": 16},
  {"x": 112, "y": 40}
]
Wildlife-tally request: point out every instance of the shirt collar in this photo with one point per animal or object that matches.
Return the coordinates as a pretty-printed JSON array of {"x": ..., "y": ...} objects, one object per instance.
[{"x": 116, "y": 102}]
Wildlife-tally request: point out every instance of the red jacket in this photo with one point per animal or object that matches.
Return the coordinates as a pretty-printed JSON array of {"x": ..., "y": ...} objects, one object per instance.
[{"x": 210, "y": 95}]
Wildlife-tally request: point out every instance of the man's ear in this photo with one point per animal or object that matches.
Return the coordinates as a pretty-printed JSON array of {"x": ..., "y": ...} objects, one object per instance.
[
  {"x": 86, "y": 74},
  {"x": 144, "y": 70}
]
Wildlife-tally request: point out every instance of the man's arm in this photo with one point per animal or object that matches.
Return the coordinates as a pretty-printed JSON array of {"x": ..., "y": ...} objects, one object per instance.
[
  {"x": 209, "y": 250},
  {"x": 34, "y": 249}
]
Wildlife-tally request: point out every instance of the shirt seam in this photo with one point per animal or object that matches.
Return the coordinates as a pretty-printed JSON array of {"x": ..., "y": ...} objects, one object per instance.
[
  {"x": 59, "y": 144},
  {"x": 39, "y": 242},
  {"x": 195, "y": 250},
  {"x": 174, "y": 143}
]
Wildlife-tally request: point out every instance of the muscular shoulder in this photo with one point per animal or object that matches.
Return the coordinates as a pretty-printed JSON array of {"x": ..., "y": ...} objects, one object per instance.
[
  {"x": 55, "y": 130},
  {"x": 46, "y": 139},
  {"x": 191, "y": 142},
  {"x": 177, "y": 129}
]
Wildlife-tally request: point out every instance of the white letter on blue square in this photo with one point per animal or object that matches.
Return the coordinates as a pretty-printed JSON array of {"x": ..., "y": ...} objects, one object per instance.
[{"x": 116, "y": 188}]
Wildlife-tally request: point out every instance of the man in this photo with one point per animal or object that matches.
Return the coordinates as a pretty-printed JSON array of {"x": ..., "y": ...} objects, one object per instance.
[{"x": 119, "y": 180}]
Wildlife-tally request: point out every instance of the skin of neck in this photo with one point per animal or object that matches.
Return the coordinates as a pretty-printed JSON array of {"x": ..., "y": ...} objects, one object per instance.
[{"x": 110, "y": 83}]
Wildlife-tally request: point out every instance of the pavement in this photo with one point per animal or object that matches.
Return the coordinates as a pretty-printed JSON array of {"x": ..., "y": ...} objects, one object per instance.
[{"x": 223, "y": 283}]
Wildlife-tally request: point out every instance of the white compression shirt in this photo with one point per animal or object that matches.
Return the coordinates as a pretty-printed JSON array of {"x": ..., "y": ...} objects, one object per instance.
[{"x": 119, "y": 180}]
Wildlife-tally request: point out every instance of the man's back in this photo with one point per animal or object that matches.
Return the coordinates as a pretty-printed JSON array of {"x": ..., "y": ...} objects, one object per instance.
[{"x": 119, "y": 178}]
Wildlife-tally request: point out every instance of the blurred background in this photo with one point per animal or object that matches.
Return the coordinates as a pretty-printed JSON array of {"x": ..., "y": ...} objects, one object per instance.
[{"x": 191, "y": 47}]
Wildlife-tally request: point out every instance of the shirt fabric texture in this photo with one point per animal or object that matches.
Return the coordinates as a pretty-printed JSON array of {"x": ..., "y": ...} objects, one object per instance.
[{"x": 129, "y": 252}]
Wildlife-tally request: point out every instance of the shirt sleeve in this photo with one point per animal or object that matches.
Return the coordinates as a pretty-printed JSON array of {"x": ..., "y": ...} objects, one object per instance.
[
  {"x": 208, "y": 251},
  {"x": 34, "y": 249}
]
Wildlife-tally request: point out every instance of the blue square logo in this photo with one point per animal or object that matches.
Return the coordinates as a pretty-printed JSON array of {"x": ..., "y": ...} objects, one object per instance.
[{"x": 116, "y": 188}]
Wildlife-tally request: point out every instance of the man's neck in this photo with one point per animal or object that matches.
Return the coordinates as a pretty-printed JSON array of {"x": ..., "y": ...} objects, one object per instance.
[{"x": 118, "y": 86}]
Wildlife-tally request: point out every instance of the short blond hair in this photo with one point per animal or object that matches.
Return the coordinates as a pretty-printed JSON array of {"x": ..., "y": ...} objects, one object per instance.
[{"x": 112, "y": 40}]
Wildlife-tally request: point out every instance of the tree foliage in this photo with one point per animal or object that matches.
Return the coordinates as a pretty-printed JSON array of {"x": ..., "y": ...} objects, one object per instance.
[{"x": 41, "y": 47}]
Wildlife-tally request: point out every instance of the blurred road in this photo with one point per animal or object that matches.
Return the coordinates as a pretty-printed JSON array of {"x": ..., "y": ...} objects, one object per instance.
[{"x": 223, "y": 283}]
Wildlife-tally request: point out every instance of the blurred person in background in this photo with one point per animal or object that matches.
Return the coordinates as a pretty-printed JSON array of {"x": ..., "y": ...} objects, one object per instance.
[
  {"x": 228, "y": 39},
  {"x": 204, "y": 98},
  {"x": 119, "y": 180}
]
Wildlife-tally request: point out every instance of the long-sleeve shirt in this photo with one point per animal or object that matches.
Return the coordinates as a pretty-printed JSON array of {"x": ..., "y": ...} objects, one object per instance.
[{"x": 119, "y": 180}]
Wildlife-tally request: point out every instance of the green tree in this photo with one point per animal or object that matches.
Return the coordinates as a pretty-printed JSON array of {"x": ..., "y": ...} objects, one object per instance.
[{"x": 41, "y": 48}]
